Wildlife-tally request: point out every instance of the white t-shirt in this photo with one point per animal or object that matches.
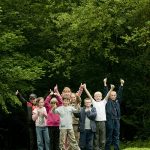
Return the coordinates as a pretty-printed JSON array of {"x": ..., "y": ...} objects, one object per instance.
[{"x": 100, "y": 109}]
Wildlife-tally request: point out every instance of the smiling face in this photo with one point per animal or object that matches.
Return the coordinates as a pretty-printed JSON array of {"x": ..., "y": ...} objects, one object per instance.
[
  {"x": 66, "y": 101},
  {"x": 73, "y": 98},
  {"x": 66, "y": 92},
  {"x": 97, "y": 96}
]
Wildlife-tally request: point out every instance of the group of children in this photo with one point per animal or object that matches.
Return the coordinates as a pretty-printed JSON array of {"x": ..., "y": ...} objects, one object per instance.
[{"x": 62, "y": 124}]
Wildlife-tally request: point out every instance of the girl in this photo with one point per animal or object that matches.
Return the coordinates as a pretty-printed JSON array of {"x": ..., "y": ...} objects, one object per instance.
[
  {"x": 53, "y": 120},
  {"x": 40, "y": 118}
]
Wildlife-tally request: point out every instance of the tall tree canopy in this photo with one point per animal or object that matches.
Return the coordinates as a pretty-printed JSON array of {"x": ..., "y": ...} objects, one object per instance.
[{"x": 44, "y": 42}]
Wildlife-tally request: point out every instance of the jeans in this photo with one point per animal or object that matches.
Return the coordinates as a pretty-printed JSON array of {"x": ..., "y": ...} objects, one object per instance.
[
  {"x": 112, "y": 133},
  {"x": 43, "y": 134},
  {"x": 86, "y": 139}
]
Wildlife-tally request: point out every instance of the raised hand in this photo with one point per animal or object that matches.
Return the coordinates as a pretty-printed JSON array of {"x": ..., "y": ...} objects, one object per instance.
[
  {"x": 81, "y": 86},
  {"x": 122, "y": 82},
  {"x": 56, "y": 88},
  {"x": 105, "y": 81},
  {"x": 84, "y": 85},
  {"x": 51, "y": 92},
  {"x": 17, "y": 92},
  {"x": 112, "y": 86},
  {"x": 56, "y": 92}
]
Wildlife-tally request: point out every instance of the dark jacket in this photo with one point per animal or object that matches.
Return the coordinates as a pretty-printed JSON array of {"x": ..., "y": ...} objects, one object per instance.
[
  {"x": 113, "y": 107},
  {"x": 82, "y": 115},
  {"x": 28, "y": 107}
]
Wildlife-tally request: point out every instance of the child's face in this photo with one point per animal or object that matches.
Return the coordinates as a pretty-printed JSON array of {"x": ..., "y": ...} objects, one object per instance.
[
  {"x": 41, "y": 103},
  {"x": 97, "y": 96},
  {"x": 113, "y": 95},
  {"x": 66, "y": 92},
  {"x": 87, "y": 103},
  {"x": 73, "y": 98},
  {"x": 66, "y": 102}
]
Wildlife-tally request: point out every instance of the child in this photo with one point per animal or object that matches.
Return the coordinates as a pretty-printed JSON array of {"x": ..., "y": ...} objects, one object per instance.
[
  {"x": 74, "y": 99},
  {"x": 40, "y": 116},
  {"x": 66, "y": 128},
  {"x": 76, "y": 103},
  {"x": 87, "y": 126},
  {"x": 99, "y": 104},
  {"x": 113, "y": 117},
  {"x": 53, "y": 120}
]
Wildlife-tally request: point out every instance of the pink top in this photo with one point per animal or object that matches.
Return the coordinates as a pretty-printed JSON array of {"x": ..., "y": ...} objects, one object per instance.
[
  {"x": 52, "y": 119},
  {"x": 39, "y": 116}
]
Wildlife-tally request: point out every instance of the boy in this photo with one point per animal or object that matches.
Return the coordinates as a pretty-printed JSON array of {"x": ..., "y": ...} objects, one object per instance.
[
  {"x": 87, "y": 125},
  {"x": 99, "y": 104},
  {"x": 113, "y": 117},
  {"x": 66, "y": 128}
]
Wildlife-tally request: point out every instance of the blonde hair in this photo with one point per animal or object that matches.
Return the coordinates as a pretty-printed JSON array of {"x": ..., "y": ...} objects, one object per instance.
[
  {"x": 66, "y": 97},
  {"x": 98, "y": 92},
  {"x": 54, "y": 100},
  {"x": 78, "y": 98},
  {"x": 66, "y": 89}
]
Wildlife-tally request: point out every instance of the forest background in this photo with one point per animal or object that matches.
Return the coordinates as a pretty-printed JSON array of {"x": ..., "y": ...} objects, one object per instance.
[{"x": 68, "y": 42}]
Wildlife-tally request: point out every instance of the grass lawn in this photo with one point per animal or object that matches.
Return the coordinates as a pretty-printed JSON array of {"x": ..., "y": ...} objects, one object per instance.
[
  {"x": 136, "y": 148},
  {"x": 136, "y": 145}
]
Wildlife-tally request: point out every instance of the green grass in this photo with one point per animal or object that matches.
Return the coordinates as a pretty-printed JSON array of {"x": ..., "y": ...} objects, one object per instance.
[
  {"x": 136, "y": 145},
  {"x": 136, "y": 148}
]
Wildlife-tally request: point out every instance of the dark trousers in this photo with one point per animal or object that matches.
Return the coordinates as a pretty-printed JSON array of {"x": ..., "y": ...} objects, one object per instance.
[
  {"x": 54, "y": 137},
  {"x": 32, "y": 144},
  {"x": 112, "y": 133},
  {"x": 100, "y": 136},
  {"x": 86, "y": 140}
]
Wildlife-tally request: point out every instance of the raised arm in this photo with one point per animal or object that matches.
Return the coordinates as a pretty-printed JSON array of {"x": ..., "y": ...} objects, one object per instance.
[
  {"x": 87, "y": 92},
  {"x": 20, "y": 97},
  {"x": 47, "y": 101},
  {"x": 56, "y": 90},
  {"x": 108, "y": 94},
  {"x": 119, "y": 93},
  {"x": 79, "y": 92},
  {"x": 59, "y": 99},
  {"x": 105, "y": 87}
]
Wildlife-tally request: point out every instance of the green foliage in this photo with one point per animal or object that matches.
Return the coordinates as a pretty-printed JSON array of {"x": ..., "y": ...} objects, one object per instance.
[
  {"x": 136, "y": 145},
  {"x": 68, "y": 42}
]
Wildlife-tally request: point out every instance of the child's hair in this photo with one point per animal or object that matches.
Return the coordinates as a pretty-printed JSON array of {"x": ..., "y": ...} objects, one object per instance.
[
  {"x": 87, "y": 99},
  {"x": 78, "y": 98},
  {"x": 66, "y": 97},
  {"x": 66, "y": 89},
  {"x": 53, "y": 100},
  {"x": 38, "y": 100}
]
